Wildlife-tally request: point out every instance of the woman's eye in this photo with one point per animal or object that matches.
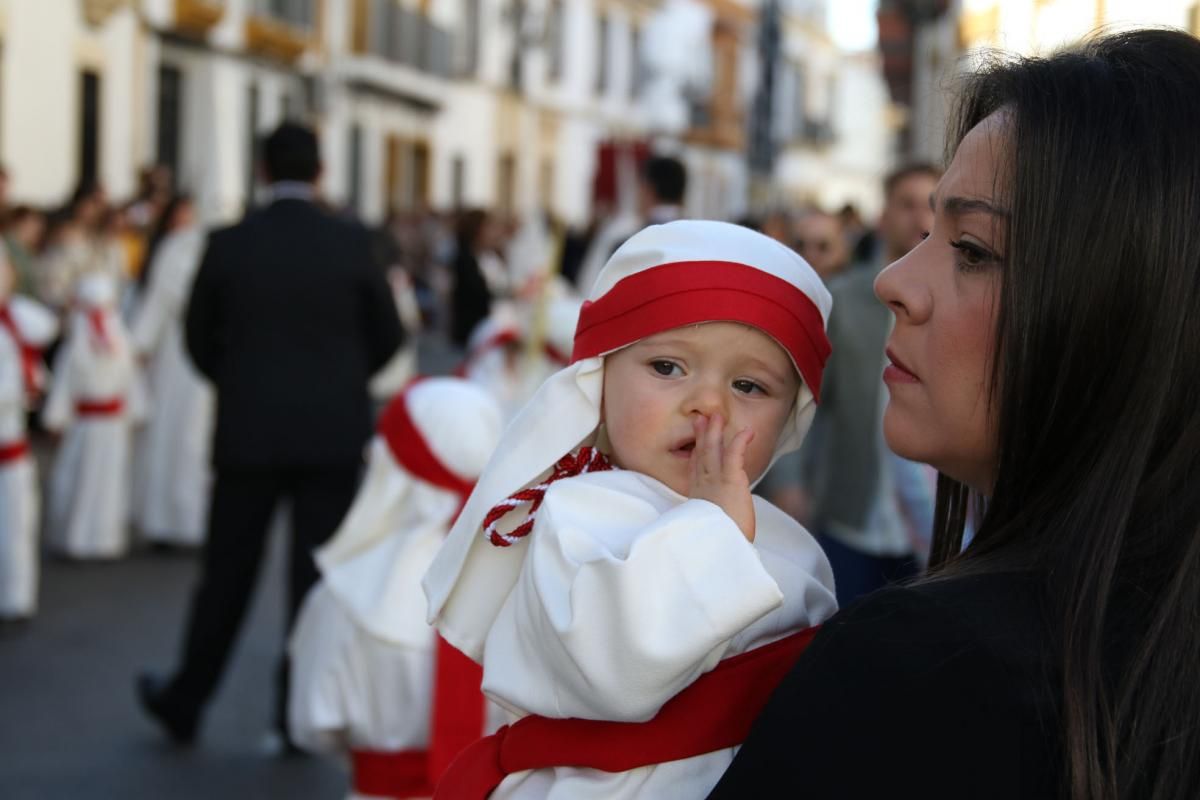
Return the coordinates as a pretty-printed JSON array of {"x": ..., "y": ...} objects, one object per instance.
[
  {"x": 664, "y": 368},
  {"x": 971, "y": 256},
  {"x": 748, "y": 387}
]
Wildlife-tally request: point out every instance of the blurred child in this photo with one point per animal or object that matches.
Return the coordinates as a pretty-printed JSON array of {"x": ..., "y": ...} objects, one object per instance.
[
  {"x": 370, "y": 679},
  {"x": 25, "y": 328},
  {"x": 94, "y": 399}
]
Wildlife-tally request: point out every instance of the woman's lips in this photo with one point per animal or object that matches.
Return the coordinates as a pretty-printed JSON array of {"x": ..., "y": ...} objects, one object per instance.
[{"x": 897, "y": 371}]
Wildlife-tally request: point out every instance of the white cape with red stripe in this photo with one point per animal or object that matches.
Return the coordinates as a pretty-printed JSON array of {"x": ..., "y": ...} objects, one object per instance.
[
  {"x": 362, "y": 653},
  {"x": 588, "y": 632},
  {"x": 19, "y": 504},
  {"x": 88, "y": 498}
]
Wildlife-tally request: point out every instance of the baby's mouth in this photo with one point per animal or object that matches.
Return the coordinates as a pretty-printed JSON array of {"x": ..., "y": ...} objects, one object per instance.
[{"x": 684, "y": 450}]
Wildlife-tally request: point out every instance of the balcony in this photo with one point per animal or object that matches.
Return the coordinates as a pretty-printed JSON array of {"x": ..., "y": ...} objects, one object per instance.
[
  {"x": 281, "y": 29},
  {"x": 400, "y": 35},
  {"x": 197, "y": 17}
]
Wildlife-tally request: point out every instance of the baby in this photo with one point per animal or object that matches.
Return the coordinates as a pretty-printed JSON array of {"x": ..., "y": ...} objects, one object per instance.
[{"x": 636, "y": 579}]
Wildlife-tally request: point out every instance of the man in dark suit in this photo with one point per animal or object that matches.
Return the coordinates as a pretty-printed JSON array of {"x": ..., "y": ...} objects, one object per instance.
[{"x": 289, "y": 316}]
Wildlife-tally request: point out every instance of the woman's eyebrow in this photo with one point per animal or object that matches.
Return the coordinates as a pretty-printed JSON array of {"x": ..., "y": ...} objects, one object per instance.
[{"x": 968, "y": 205}]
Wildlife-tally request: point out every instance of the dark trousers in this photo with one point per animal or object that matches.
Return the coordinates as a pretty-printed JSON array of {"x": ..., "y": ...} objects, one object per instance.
[
  {"x": 856, "y": 573},
  {"x": 243, "y": 502}
]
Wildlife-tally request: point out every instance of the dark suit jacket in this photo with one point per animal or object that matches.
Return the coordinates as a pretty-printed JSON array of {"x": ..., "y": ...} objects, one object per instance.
[{"x": 288, "y": 318}]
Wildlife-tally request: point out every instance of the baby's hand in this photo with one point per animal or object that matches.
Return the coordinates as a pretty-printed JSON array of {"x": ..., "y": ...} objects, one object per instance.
[{"x": 719, "y": 471}]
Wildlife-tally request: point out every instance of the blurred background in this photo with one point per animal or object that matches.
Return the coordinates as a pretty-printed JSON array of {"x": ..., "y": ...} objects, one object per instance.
[{"x": 512, "y": 127}]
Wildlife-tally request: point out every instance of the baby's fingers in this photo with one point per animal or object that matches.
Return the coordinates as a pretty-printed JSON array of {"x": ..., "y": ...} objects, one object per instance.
[{"x": 735, "y": 455}]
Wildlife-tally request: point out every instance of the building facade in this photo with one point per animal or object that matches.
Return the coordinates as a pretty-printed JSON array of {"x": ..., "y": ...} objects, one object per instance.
[
  {"x": 440, "y": 104},
  {"x": 926, "y": 43}
]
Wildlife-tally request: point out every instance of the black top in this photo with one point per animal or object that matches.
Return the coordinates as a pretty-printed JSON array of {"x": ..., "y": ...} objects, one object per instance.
[
  {"x": 289, "y": 317},
  {"x": 471, "y": 300},
  {"x": 941, "y": 690}
]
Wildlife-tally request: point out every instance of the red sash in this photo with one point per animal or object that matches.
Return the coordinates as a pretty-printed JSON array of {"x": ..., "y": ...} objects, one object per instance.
[
  {"x": 13, "y": 451},
  {"x": 100, "y": 408},
  {"x": 714, "y": 713}
]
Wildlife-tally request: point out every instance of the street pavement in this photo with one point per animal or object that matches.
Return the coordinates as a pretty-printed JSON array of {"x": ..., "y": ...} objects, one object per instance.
[
  {"x": 69, "y": 723},
  {"x": 70, "y": 726}
]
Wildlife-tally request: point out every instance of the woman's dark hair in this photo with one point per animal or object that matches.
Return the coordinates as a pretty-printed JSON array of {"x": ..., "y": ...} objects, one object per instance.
[
  {"x": 1096, "y": 396},
  {"x": 468, "y": 227},
  {"x": 162, "y": 227}
]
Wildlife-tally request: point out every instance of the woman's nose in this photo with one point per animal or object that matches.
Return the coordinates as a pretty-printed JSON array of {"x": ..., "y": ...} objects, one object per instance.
[{"x": 902, "y": 287}]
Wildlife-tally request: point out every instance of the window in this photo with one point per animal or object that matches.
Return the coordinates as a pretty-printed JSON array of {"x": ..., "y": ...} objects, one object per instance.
[
  {"x": 355, "y": 169},
  {"x": 458, "y": 182},
  {"x": 506, "y": 202},
  {"x": 602, "y": 56},
  {"x": 170, "y": 113},
  {"x": 554, "y": 40},
  {"x": 297, "y": 13},
  {"x": 637, "y": 70},
  {"x": 89, "y": 127},
  {"x": 470, "y": 37},
  {"x": 252, "y": 147}
]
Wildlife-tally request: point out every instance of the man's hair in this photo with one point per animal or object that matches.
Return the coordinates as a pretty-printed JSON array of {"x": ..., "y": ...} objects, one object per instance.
[
  {"x": 291, "y": 153},
  {"x": 667, "y": 178},
  {"x": 905, "y": 171}
]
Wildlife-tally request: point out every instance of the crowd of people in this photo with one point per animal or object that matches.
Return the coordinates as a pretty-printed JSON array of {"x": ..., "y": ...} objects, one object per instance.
[{"x": 553, "y": 579}]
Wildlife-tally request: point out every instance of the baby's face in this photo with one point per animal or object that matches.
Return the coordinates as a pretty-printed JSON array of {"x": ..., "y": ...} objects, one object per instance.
[{"x": 654, "y": 389}]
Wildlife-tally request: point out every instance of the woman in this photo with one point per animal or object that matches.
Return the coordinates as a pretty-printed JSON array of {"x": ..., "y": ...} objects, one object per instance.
[
  {"x": 479, "y": 273},
  {"x": 1046, "y": 357},
  {"x": 172, "y": 465}
]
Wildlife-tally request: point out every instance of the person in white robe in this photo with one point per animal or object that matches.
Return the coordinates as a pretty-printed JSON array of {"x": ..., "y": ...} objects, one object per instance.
[
  {"x": 363, "y": 657},
  {"x": 402, "y": 367},
  {"x": 619, "y": 583},
  {"x": 25, "y": 328},
  {"x": 95, "y": 398},
  {"x": 172, "y": 473},
  {"x": 517, "y": 347}
]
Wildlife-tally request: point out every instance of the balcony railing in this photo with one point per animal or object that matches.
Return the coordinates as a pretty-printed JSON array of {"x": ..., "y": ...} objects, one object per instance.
[{"x": 403, "y": 36}]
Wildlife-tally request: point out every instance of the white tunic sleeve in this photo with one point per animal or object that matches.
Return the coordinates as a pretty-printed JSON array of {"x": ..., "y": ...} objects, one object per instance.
[{"x": 626, "y": 596}]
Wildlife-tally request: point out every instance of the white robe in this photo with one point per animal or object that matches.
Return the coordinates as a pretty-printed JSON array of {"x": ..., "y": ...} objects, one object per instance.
[
  {"x": 88, "y": 502},
  {"x": 627, "y": 594},
  {"x": 18, "y": 493},
  {"x": 173, "y": 475},
  {"x": 352, "y": 689}
]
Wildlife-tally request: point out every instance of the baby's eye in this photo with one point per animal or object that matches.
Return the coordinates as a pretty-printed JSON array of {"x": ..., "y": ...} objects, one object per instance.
[
  {"x": 748, "y": 387},
  {"x": 665, "y": 368}
]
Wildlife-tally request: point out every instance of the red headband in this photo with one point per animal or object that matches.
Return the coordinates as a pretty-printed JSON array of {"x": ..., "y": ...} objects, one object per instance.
[
  {"x": 412, "y": 452},
  {"x": 690, "y": 292}
]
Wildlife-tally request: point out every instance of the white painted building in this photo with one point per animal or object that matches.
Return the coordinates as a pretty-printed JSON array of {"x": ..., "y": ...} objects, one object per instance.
[
  {"x": 946, "y": 43},
  {"x": 444, "y": 103}
]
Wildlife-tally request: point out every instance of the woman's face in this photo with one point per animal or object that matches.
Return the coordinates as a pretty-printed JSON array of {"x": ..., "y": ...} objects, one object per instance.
[{"x": 943, "y": 293}]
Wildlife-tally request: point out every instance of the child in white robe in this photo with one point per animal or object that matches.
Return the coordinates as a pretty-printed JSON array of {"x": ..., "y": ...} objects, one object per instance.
[
  {"x": 25, "y": 328},
  {"x": 636, "y": 579},
  {"x": 364, "y": 659},
  {"x": 504, "y": 358},
  {"x": 95, "y": 398},
  {"x": 173, "y": 475}
]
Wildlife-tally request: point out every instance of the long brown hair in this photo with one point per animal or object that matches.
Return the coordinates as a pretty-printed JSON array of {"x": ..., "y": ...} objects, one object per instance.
[{"x": 1096, "y": 392}]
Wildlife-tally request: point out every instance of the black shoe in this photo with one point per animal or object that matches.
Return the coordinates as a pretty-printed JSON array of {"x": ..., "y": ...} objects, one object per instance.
[{"x": 151, "y": 692}]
